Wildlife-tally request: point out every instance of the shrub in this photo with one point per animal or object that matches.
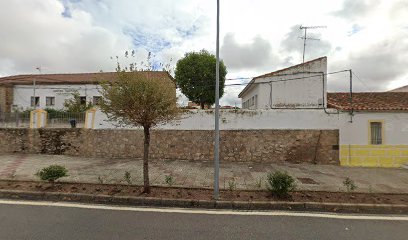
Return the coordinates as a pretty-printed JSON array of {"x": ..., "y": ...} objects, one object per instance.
[
  {"x": 349, "y": 184},
  {"x": 100, "y": 179},
  {"x": 258, "y": 183},
  {"x": 169, "y": 180},
  {"x": 281, "y": 183},
  {"x": 52, "y": 173},
  {"x": 127, "y": 177},
  {"x": 232, "y": 185},
  {"x": 55, "y": 113}
]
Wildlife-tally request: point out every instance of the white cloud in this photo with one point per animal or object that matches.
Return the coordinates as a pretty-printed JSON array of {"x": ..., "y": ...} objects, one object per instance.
[
  {"x": 34, "y": 33},
  {"x": 246, "y": 56},
  {"x": 256, "y": 36}
]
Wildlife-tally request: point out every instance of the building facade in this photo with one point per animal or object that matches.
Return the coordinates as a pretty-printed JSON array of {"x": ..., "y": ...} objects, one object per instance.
[
  {"x": 300, "y": 86},
  {"x": 23, "y": 92}
]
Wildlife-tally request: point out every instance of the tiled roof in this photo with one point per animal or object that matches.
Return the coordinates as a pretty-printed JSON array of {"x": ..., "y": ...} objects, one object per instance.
[
  {"x": 276, "y": 72},
  {"x": 73, "y": 78},
  {"x": 369, "y": 101}
]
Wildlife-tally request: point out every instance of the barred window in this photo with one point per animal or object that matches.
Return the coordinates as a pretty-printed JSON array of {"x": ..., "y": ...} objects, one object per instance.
[
  {"x": 82, "y": 100},
  {"x": 376, "y": 133},
  {"x": 50, "y": 101},
  {"x": 35, "y": 101}
]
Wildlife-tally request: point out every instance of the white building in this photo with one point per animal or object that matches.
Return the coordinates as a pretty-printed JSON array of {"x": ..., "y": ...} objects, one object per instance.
[
  {"x": 373, "y": 126},
  {"x": 299, "y": 86},
  {"x": 51, "y": 90}
]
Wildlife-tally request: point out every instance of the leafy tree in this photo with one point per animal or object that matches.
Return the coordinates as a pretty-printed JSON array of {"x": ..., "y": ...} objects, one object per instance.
[
  {"x": 142, "y": 100},
  {"x": 195, "y": 75},
  {"x": 75, "y": 105}
]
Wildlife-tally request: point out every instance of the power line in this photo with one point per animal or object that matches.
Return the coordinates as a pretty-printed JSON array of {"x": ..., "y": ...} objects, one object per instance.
[
  {"x": 227, "y": 85},
  {"x": 361, "y": 81}
]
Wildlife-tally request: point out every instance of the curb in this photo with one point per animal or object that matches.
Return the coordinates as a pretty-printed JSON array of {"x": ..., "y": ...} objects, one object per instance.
[{"x": 206, "y": 204}]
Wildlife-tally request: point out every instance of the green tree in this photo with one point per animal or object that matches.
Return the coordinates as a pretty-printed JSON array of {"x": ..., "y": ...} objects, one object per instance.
[
  {"x": 195, "y": 75},
  {"x": 141, "y": 100},
  {"x": 75, "y": 104}
]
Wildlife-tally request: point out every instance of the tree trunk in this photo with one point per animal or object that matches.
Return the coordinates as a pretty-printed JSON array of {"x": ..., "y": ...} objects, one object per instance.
[
  {"x": 146, "y": 159},
  {"x": 202, "y": 104}
]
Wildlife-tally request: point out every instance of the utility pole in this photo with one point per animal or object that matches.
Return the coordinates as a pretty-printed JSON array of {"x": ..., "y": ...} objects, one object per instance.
[
  {"x": 217, "y": 110},
  {"x": 35, "y": 104},
  {"x": 306, "y": 38}
]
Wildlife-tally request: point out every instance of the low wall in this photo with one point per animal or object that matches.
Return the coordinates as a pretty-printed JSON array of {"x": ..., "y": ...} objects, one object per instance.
[
  {"x": 374, "y": 155},
  {"x": 268, "y": 146}
]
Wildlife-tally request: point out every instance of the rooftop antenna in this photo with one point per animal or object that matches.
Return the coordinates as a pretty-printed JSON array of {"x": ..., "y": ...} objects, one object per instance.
[{"x": 306, "y": 38}]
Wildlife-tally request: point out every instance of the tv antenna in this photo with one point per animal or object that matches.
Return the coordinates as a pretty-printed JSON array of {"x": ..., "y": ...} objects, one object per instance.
[{"x": 308, "y": 38}]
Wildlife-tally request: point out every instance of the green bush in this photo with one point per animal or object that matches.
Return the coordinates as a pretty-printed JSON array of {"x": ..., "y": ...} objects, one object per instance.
[
  {"x": 55, "y": 113},
  {"x": 281, "y": 183},
  {"x": 349, "y": 184},
  {"x": 169, "y": 180},
  {"x": 52, "y": 173},
  {"x": 127, "y": 177},
  {"x": 232, "y": 185}
]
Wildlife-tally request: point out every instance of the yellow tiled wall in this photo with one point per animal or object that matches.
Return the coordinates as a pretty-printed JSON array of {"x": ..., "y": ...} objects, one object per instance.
[{"x": 373, "y": 155}]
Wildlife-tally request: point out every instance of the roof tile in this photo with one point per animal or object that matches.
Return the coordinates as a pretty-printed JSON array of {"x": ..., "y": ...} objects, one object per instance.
[
  {"x": 369, "y": 101},
  {"x": 72, "y": 78}
]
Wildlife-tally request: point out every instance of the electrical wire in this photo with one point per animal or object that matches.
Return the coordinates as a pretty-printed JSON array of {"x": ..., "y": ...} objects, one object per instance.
[
  {"x": 209, "y": 85},
  {"x": 361, "y": 81}
]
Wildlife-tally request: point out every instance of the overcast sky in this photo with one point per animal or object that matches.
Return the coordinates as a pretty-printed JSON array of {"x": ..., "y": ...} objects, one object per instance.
[{"x": 257, "y": 36}]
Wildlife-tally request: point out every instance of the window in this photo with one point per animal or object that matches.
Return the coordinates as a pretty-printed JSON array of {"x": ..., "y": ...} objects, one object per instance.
[
  {"x": 82, "y": 100},
  {"x": 376, "y": 134},
  {"x": 50, "y": 101},
  {"x": 97, "y": 100},
  {"x": 35, "y": 101}
]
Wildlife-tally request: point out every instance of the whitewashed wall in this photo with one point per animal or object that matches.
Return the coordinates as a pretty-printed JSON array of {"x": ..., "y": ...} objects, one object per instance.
[
  {"x": 23, "y": 94},
  {"x": 285, "y": 91},
  {"x": 244, "y": 119},
  {"x": 395, "y": 128},
  {"x": 355, "y": 132}
]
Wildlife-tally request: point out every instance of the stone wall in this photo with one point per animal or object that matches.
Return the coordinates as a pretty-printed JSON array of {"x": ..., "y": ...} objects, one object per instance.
[{"x": 295, "y": 146}]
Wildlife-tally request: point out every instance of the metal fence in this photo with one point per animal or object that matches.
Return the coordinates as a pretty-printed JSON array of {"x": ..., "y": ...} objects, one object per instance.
[
  {"x": 65, "y": 120},
  {"x": 15, "y": 120},
  {"x": 54, "y": 120}
]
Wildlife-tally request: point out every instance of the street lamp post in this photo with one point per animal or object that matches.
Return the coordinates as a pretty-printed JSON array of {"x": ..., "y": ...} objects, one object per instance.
[{"x": 217, "y": 110}]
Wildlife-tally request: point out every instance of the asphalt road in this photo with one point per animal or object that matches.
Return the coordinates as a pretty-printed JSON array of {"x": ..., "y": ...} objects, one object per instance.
[{"x": 62, "y": 222}]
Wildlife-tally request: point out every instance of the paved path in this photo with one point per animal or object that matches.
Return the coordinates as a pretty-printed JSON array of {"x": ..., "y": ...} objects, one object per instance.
[
  {"x": 200, "y": 174},
  {"x": 68, "y": 221}
]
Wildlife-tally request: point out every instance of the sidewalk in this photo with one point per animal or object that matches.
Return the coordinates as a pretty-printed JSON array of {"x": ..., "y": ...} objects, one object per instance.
[{"x": 200, "y": 174}]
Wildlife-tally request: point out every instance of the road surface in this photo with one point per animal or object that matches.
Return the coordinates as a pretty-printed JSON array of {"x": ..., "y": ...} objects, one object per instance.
[{"x": 43, "y": 220}]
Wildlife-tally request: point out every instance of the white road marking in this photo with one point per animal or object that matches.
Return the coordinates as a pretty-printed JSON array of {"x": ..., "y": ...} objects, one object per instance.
[{"x": 210, "y": 212}]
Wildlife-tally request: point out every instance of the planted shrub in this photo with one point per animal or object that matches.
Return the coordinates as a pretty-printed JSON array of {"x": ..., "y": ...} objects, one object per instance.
[
  {"x": 281, "y": 183},
  {"x": 232, "y": 185},
  {"x": 127, "y": 177},
  {"x": 100, "y": 179},
  {"x": 349, "y": 184},
  {"x": 52, "y": 173},
  {"x": 169, "y": 180},
  {"x": 258, "y": 183}
]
